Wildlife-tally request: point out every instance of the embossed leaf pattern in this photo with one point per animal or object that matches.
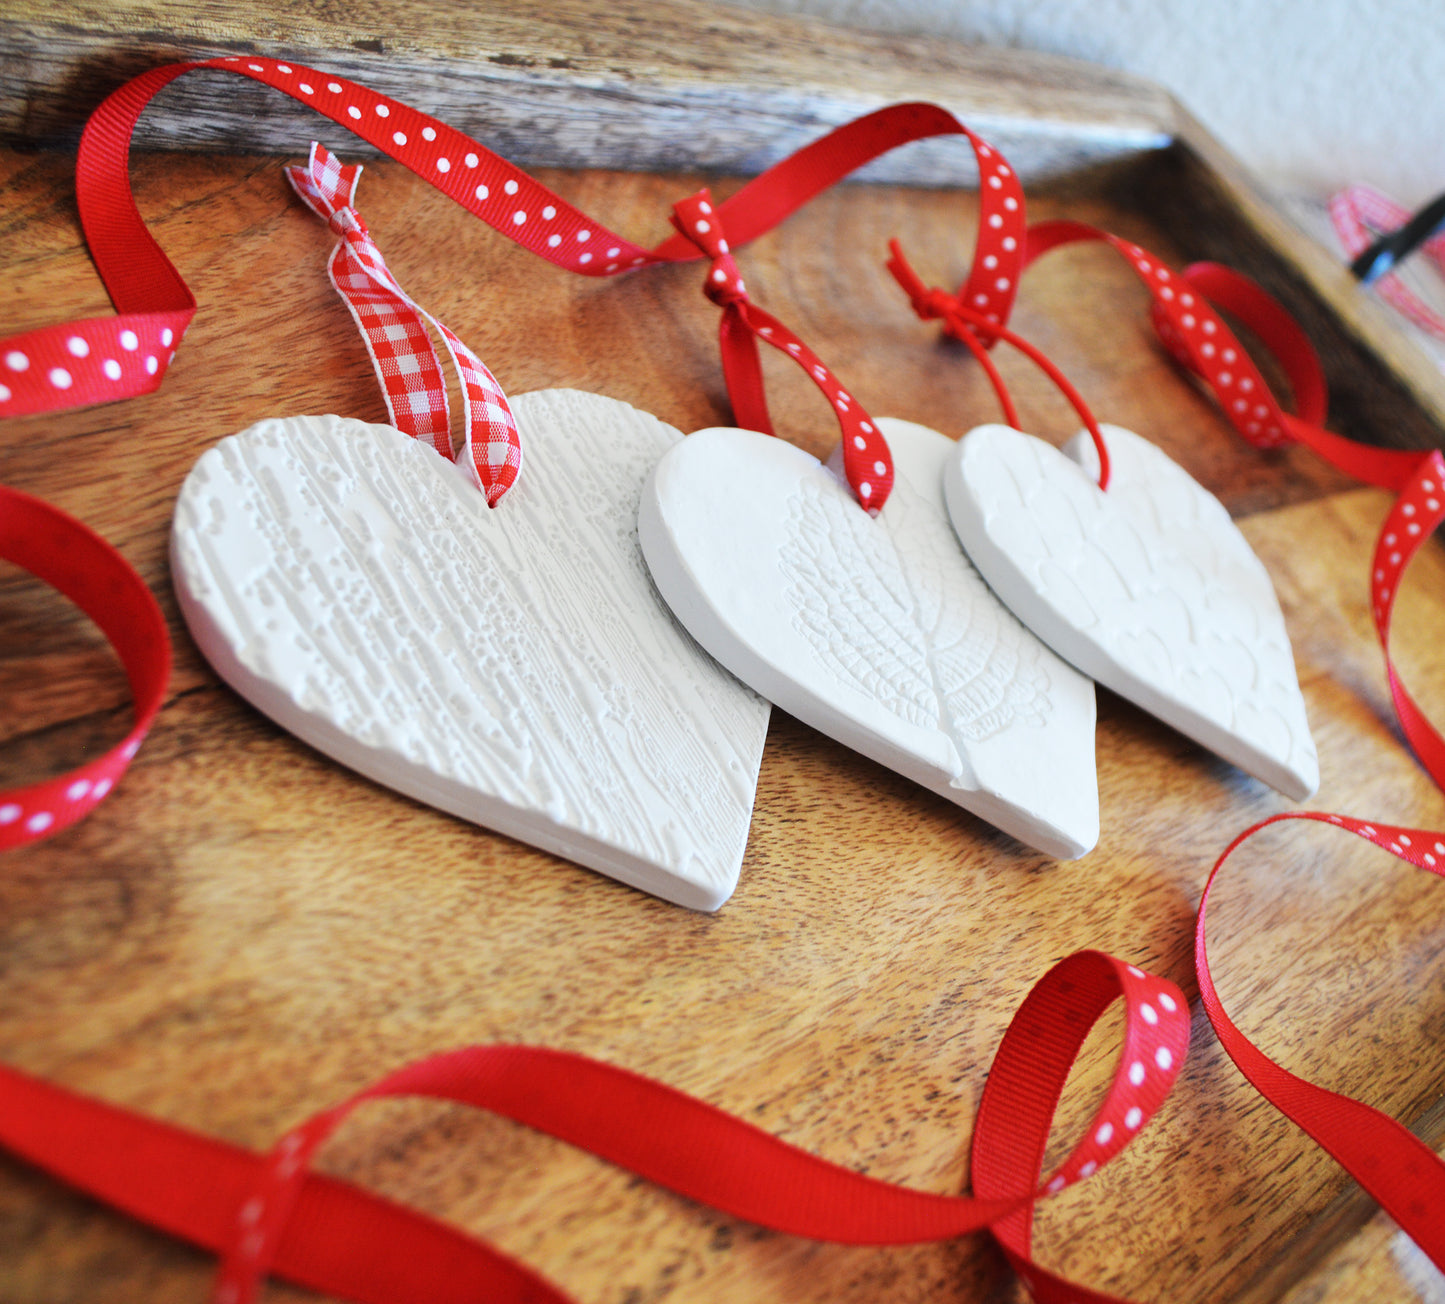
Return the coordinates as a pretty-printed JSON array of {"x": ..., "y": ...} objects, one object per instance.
[{"x": 926, "y": 640}]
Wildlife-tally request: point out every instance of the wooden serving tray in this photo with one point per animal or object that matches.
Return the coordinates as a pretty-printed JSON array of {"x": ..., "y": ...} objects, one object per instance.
[{"x": 245, "y": 933}]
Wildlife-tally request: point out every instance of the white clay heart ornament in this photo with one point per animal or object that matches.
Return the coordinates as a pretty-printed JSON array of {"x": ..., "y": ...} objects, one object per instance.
[
  {"x": 513, "y": 666},
  {"x": 1148, "y": 586},
  {"x": 873, "y": 629}
]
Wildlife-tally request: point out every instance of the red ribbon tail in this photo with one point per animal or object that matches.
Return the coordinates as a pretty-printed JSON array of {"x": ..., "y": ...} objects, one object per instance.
[{"x": 743, "y": 371}]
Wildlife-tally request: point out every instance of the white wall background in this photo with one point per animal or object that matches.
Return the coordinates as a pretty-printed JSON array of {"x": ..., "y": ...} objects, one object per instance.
[{"x": 1311, "y": 94}]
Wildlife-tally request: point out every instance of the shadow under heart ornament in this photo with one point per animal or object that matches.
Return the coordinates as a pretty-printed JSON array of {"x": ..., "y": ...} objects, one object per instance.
[
  {"x": 874, "y": 629},
  {"x": 1148, "y": 587},
  {"x": 513, "y": 666}
]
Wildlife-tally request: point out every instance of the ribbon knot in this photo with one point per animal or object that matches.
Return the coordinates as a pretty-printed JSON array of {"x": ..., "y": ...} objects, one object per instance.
[
  {"x": 698, "y": 221},
  {"x": 979, "y": 331},
  {"x": 867, "y": 461},
  {"x": 345, "y": 221},
  {"x": 933, "y": 303}
]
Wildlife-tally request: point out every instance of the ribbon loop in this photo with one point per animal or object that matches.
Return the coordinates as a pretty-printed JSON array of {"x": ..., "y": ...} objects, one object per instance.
[
  {"x": 697, "y": 1151},
  {"x": 1403, "y": 1174},
  {"x": 61, "y": 552},
  {"x": 1193, "y": 332},
  {"x": 867, "y": 460}
]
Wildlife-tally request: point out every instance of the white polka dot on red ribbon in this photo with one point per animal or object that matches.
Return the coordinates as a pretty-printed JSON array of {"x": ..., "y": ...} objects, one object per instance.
[
  {"x": 1156, "y": 1039},
  {"x": 85, "y": 568},
  {"x": 1418, "y": 509},
  {"x": 993, "y": 279},
  {"x": 482, "y": 182},
  {"x": 90, "y": 361},
  {"x": 867, "y": 459},
  {"x": 1191, "y": 330}
]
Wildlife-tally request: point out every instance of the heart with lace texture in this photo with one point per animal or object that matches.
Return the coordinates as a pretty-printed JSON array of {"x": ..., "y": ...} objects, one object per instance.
[
  {"x": 512, "y": 666},
  {"x": 875, "y": 630},
  {"x": 1148, "y": 587}
]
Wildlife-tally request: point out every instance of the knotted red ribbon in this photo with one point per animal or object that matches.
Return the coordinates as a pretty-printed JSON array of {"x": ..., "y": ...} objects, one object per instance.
[
  {"x": 1403, "y": 1174},
  {"x": 867, "y": 461},
  {"x": 103, "y": 359},
  {"x": 394, "y": 328},
  {"x": 1187, "y": 324}
]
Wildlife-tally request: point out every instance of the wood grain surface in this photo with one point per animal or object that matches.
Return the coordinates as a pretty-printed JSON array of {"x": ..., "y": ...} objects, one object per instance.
[{"x": 245, "y": 933}]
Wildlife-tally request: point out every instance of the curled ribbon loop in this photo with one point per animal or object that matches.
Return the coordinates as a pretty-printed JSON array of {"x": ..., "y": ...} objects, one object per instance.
[
  {"x": 67, "y": 555},
  {"x": 867, "y": 460},
  {"x": 395, "y": 330},
  {"x": 699, "y": 1152},
  {"x": 968, "y": 326},
  {"x": 1400, "y": 1171}
]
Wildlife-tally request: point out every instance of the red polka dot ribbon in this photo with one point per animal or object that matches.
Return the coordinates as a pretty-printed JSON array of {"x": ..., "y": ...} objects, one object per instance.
[
  {"x": 1360, "y": 215},
  {"x": 1417, "y": 479},
  {"x": 394, "y": 329},
  {"x": 1399, "y": 1170},
  {"x": 1403, "y": 1174},
  {"x": 1190, "y": 328},
  {"x": 270, "y": 1213},
  {"x": 66, "y": 555},
  {"x": 867, "y": 461}
]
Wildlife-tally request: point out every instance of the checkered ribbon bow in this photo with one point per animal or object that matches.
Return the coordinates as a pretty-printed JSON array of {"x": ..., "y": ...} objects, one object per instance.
[{"x": 394, "y": 329}]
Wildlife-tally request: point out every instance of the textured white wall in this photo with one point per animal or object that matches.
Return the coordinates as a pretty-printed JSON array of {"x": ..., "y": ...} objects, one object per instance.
[{"x": 1311, "y": 94}]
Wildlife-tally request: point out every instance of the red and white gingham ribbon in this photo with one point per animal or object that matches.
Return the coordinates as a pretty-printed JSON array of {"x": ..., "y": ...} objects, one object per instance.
[{"x": 394, "y": 328}]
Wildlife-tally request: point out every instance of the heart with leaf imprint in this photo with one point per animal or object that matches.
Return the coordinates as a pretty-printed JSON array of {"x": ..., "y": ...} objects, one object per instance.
[
  {"x": 1147, "y": 586},
  {"x": 512, "y": 666},
  {"x": 874, "y": 629}
]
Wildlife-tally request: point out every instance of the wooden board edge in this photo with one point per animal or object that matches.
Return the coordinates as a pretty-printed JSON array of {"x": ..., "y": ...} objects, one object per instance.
[{"x": 676, "y": 85}]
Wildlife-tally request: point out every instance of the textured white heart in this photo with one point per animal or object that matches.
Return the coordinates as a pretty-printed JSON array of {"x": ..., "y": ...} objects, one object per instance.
[
  {"x": 512, "y": 666},
  {"x": 1148, "y": 587},
  {"x": 874, "y": 630}
]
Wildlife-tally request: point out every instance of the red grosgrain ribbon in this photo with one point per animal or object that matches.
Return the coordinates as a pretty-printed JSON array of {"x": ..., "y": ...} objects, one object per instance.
[
  {"x": 1361, "y": 214},
  {"x": 867, "y": 461},
  {"x": 66, "y": 555},
  {"x": 1403, "y": 1174},
  {"x": 394, "y": 329},
  {"x": 965, "y": 324},
  {"x": 266, "y": 1213},
  {"x": 1191, "y": 330}
]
